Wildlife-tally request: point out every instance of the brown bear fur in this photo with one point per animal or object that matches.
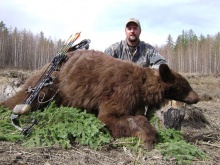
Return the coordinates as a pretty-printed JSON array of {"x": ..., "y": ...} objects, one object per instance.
[{"x": 112, "y": 89}]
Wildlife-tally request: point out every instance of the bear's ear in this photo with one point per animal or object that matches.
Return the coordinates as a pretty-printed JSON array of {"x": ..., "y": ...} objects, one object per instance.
[{"x": 166, "y": 74}]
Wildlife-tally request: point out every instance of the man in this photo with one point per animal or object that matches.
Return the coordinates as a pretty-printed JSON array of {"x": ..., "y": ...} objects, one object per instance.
[
  {"x": 144, "y": 54},
  {"x": 133, "y": 49}
]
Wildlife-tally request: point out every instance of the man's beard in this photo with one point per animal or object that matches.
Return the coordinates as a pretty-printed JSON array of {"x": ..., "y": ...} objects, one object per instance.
[{"x": 134, "y": 39}]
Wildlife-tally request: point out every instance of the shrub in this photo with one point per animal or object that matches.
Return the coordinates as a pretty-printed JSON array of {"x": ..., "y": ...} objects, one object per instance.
[
  {"x": 60, "y": 126},
  {"x": 7, "y": 131},
  {"x": 171, "y": 144}
]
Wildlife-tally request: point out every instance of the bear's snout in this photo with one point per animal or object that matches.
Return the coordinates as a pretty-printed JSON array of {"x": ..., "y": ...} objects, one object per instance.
[{"x": 192, "y": 98}]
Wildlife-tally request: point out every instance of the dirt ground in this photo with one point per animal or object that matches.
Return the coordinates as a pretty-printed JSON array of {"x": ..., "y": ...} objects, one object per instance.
[{"x": 201, "y": 127}]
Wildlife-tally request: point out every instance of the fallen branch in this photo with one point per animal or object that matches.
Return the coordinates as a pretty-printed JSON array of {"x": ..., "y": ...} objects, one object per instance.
[{"x": 209, "y": 144}]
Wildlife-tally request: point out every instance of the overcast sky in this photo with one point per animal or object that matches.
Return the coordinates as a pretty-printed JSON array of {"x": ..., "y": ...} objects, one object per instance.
[{"x": 103, "y": 21}]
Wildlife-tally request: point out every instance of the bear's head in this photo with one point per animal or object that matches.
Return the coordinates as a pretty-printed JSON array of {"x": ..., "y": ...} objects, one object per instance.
[{"x": 176, "y": 86}]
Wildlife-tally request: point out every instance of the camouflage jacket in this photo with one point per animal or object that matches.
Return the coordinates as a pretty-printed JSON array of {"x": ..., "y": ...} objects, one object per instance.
[{"x": 143, "y": 54}]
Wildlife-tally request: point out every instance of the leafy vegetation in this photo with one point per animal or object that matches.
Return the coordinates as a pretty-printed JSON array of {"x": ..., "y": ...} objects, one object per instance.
[
  {"x": 63, "y": 125},
  {"x": 7, "y": 131},
  {"x": 60, "y": 126},
  {"x": 168, "y": 135},
  {"x": 171, "y": 144},
  {"x": 182, "y": 151}
]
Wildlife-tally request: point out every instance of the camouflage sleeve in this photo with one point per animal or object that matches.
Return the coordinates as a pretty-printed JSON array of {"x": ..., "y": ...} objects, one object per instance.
[
  {"x": 109, "y": 51},
  {"x": 113, "y": 50},
  {"x": 155, "y": 58}
]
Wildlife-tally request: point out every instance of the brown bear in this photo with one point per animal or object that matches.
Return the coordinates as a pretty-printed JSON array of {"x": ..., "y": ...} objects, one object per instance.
[{"x": 112, "y": 89}]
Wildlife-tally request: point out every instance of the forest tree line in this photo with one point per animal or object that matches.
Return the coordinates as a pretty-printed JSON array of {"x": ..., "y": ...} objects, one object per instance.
[
  {"x": 188, "y": 54},
  {"x": 193, "y": 54},
  {"x": 24, "y": 50}
]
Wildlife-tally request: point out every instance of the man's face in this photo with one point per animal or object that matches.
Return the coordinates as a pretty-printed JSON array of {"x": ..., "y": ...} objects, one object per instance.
[{"x": 132, "y": 31}]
